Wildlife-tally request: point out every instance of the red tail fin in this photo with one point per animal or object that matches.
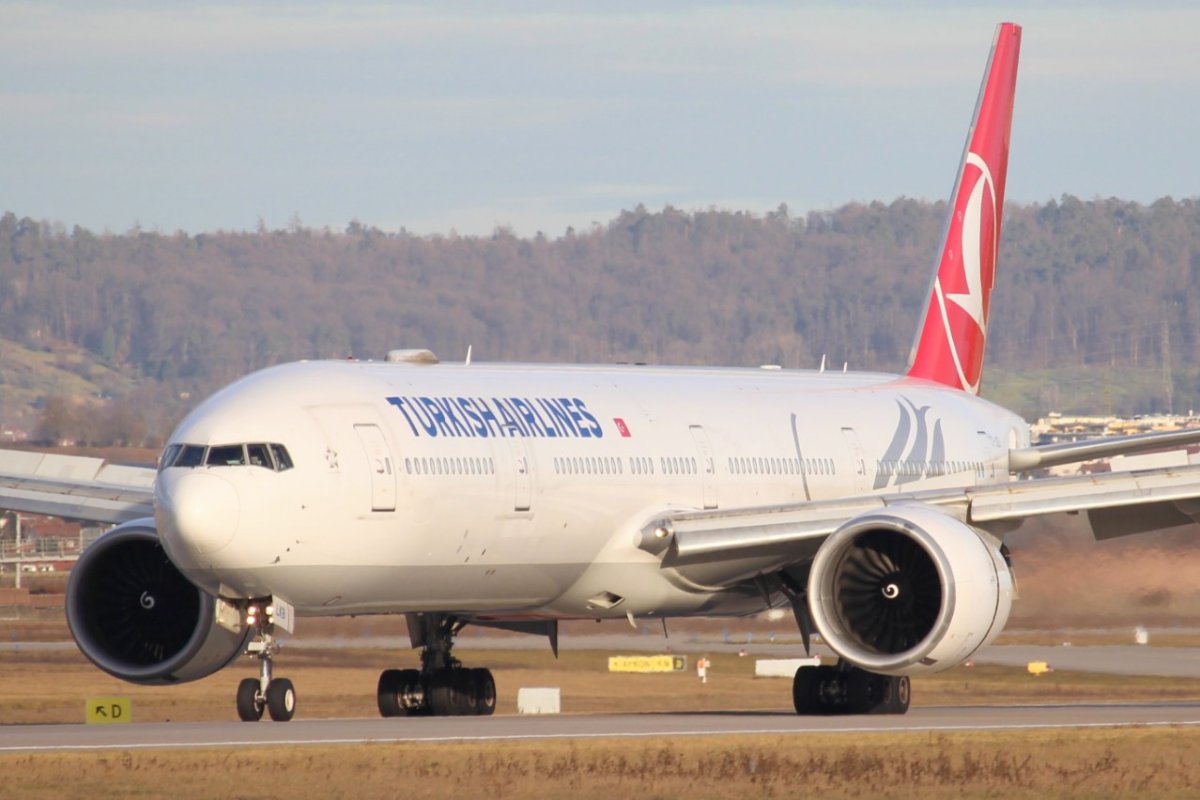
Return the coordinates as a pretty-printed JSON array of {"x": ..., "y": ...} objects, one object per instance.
[{"x": 950, "y": 341}]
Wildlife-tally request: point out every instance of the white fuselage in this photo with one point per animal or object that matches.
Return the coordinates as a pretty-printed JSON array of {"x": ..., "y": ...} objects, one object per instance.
[{"x": 520, "y": 490}]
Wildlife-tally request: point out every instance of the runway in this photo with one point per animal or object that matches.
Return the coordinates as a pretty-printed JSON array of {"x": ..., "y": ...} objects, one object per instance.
[{"x": 176, "y": 735}]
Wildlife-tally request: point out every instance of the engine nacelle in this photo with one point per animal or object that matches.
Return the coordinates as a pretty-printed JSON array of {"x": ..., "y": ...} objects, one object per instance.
[
  {"x": 137, "y": 618},
  {"x": 908, "y": 590}
]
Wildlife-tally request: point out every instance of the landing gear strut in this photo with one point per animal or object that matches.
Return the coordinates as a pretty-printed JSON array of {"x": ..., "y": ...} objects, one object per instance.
[
  {"x": 442, "y": 686},
  {"x": 276, "y": 695},
  {"x": 844, "y": 689}
]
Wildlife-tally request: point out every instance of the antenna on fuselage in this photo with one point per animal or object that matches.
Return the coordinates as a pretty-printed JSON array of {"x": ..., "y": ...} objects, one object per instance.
[
  {"x": 467, "y": 363},
  {"x": 822, "y": 367}
]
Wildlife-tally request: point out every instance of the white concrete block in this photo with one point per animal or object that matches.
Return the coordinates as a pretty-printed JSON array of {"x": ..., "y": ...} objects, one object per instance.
[
  {"x": 539, "y": 700},
  {"x": 782, "y": 667}
]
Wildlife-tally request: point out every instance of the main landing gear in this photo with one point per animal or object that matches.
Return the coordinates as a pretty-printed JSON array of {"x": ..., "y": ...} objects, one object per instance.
[
  {"x": 844, "y": 689},
  {"x": 442, "y": 686},
  {"x": 276, "y": 695}
]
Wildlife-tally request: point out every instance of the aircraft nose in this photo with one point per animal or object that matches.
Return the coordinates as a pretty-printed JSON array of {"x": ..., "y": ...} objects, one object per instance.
[{"x": 199, "y": 511}]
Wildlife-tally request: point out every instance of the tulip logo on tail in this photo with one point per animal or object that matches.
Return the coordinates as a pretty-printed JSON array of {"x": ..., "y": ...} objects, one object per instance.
[
  {"x": 950, "y": 341},
  {"x": 970, "y": 274}
]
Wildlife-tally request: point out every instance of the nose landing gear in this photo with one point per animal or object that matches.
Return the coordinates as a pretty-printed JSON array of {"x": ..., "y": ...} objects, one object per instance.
[{"x": 254, "y": 695}]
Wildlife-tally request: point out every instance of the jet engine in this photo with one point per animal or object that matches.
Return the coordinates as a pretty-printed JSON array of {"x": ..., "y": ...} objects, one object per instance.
[
  {"x": 137, "y": 618},
  {"x": 909, "y": 589}
]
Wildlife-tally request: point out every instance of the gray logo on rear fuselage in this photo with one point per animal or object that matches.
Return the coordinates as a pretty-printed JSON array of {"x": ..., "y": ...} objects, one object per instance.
[{"x": 911, "y": 453}]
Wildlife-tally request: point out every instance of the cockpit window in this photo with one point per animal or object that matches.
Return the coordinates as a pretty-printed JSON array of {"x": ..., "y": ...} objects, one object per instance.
[
  {"x": 274, "y": 457},
  {"x": 192, "y": 455},
  {"x": 282, "y": 459},
  {"x": 226, "y": 455},
  {"x": 257, "y": 455},
  {"x": 169, "y": 455}
]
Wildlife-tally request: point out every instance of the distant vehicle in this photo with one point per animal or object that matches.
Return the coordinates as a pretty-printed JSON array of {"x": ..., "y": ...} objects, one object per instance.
[{"x": 872, "y": 506}]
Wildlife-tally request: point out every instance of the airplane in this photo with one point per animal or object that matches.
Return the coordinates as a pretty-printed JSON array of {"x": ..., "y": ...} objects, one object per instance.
[{"x": 874, "y": 506}]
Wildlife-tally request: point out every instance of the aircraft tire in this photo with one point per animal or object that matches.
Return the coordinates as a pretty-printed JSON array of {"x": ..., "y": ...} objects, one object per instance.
[
  {"x": 249, "y": 707},
  {"x": 281, "y": 700},
  {"x": 806, "y": 697},
  {"x": 410, "y": 683},
  {"x": 827, "y": 701},
  {"x": 466, "y": 699},
  {"x": 441, "y": 694},
  {"x": 391, "y": 684},
  {"x": 484, "y": 688},
  {"x": 898, "y": 696},
  {"x": 866, "y": 692}
]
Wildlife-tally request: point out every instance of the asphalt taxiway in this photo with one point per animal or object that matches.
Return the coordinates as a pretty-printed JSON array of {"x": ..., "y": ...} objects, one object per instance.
[{"x": 176, "y": 735}]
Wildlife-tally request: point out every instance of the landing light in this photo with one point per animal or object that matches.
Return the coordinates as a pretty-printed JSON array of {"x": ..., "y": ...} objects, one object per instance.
[{"x": 254, "y": 613}]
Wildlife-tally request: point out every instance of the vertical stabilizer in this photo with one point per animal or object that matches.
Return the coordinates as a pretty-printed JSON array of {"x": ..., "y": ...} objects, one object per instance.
[{"x": 952, "y": 335}]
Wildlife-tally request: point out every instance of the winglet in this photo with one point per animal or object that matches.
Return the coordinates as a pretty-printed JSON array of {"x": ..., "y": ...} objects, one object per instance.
[{"x": 952, "y": 335}]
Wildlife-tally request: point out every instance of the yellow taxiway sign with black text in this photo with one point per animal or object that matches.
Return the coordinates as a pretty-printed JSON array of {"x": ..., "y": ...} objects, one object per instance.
[
  {"x": 107, "y": 710},
  {"x": 667, "y": 663}
]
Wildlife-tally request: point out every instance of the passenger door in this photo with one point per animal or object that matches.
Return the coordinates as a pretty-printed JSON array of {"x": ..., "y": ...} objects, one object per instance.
[{"x": 380, "y": 465}]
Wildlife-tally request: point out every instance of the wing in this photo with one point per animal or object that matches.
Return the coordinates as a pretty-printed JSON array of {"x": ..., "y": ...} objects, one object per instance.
[
  {"x": 1049, "y": 455},
  {"x": 74, "y": 487},
  {"x": 720, "y": 548}
]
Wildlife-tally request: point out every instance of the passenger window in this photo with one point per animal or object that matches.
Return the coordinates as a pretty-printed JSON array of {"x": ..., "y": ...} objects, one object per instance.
[
  {"x": 226, "y": 455},
  {"x": 282, "y": 459},
  {"x": 192, "y": 455},
  {"x": 257, "y": 455}
]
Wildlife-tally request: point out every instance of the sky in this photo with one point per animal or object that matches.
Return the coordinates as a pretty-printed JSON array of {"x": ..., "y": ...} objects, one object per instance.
[{"x": 461, "y": 117}]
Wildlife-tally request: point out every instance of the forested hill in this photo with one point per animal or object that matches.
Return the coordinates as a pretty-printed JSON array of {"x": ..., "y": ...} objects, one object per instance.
[{"x": 163, "y": 319}]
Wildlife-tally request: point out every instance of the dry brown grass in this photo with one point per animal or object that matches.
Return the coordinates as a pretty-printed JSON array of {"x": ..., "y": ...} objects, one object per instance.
[{"x": 1069, "y": 764}]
